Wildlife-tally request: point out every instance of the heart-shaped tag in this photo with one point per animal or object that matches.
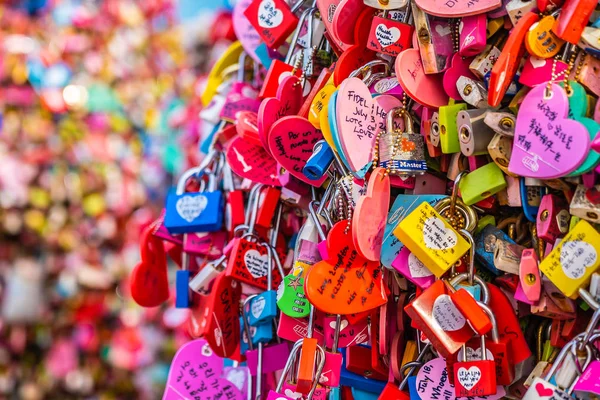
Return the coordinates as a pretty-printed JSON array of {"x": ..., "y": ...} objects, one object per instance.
[
  {"x": 456, "y": 8},
  {"x": 468, "y": 378},
  {"x": 244, "y": 31},
  {"x": 287, "y": 102},
  {"x": 149, "y": 281},
  {"x": 195, "y": 372},
  {"x": 426, "y": 89},
  {"x": 368, "y": 220},
  {"x": 344, "y": 20},
  {"x": 291, "y": 141},
  {"x": 345, "y": 283},
  {"x": 252, "y": 162},
  {"x": 445, "y": 313},
  {"x": 216, "y": 316},
  {"x": 269, "y": 16},
  {"x": 538, "y": 70},
  {"x": 459, "y": 67},
  {"x": 246, "y": 126},
  {"x": 547, "y": 144},
  {"x": 387, "y": 36},
  {"x": 576, "y": 256},
  {"x": 190, "y": 207}
]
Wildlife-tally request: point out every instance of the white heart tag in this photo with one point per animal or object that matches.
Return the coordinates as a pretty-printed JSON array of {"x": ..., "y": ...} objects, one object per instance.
[
  {"x": 190, "y": 207},
  {"x": 387, "y": 36},
  {"x": 446, "y": 314},
  {"x": 268, "y": 15},
  {"x": 256, "y": 263},
  {"x": 292, "y": 394},
  {"x": 258, "y": 306},
  {"x": 575, "y": 257},
  {"x": 436, "y": 236},
  {"x": 417, "y": 268},
  {"x": 537, "y": 62},
  {"x": 385, "y": 85},
  {"x": 469, "y": 377},
  {"x": 343, "y": 324}
]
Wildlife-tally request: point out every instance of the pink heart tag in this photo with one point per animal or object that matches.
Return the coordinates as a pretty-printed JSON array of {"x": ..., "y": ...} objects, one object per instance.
[
  {"x": 287, "y": 102},
  {"x": 539, "y": 70},
  {"x": 244, "y": 30},
  {"x": 459, "y": 67},
  {"x": 252, "y": 162},
  {"x": 291, "y": 141},
  {"x": 456, "y": 8},
  {"x": 547, "y": 144},
  {"x": 426, "y": 89},
  {"x": 368, "y": 221},
  {"x": 196, "y": 373}
]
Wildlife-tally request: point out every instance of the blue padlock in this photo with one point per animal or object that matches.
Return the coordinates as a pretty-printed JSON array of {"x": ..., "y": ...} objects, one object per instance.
[
  {"x": 531, "y": 196},
  {"x": 485, "y": 246},
  {"x": 182, "y": 280},
  {"x": 319, "y": 162},
  {"x": 263, "y": 307},
  {"x": 194, "y": 212}
]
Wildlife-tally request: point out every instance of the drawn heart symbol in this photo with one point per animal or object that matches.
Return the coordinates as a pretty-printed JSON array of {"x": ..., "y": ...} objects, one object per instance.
[
  {"x": 575, "y": 257},
  {"x": 291, "y": 394},
  {"x": 269, "y": 16},
  {"x": 149, "y": 283},
  {"x": 257, "y": 307},
  {"x": 440, "y": 233},
  {"x": 256, "y": 263},
  {"x": 244, "y": 31},
  {"x": 190, "y": 207},
  {"x": 288, "y": 101},
  {"x": 387, "y": 36},
  {"x": 343, "y": 324},
  {"x": 252, "y": 162},
  {"x": 446, "y": 314},
  {"x": 359, "y": 118},
  {"x": 345, "y": 283},
  {"x": 368, "y": 221},
  {"x": 407, "y": 145},
  {"x": 468, "y": 378},
  {"x": 443, "y": 30},
  {"x": 215, "y": 317},
  {"x": 426, "y": 89},
  {"x": 456, "y": 8},
  {"x": 458, "y": 67},
  {"x": 193, "y": 366},
  {"x": 547, "y": 144},
  {"x": 291, "y": 141},
  {"x": 417, "y": 268},
  {"x": 537, "y": 71},
  {"x": 542, "y": 390},
  {"x": 537, "y": 62}
]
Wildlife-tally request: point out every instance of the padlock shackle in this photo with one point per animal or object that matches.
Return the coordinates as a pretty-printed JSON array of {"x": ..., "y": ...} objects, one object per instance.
[
  {"x": 454, "y": 195},
  {"x": 315, "y": 219},
  {"x": 494, "y": 331},
  {"x": 367, "y": 70},
  {"x": 395, "y": 112},
  {"x": 195, "y": 171},
  {"x": 269, "y": 265},
  {"x": 245, "y": 321},
  {"x": 467, "y": 235},
  {"x": 309, "y": 11},
  {"x": 485, "y": 293},
  {"x": 412, "y": 365}
]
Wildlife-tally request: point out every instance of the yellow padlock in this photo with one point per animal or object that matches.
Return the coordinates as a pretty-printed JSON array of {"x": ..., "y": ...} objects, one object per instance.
[
  {"x": 319, "y": 103},
  {"x": 572, "y": 262},
  {"x": 214, "y": 80},
  {"x": 431, "y": 239}
]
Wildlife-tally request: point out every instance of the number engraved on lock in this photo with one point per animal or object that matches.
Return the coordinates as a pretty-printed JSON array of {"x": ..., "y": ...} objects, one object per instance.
[
  {"x": 575, "y": 257},
  {"x": 447, "y": 315}
]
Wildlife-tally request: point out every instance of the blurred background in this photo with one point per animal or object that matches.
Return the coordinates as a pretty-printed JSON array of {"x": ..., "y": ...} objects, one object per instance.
[{"x": 98, "y": 112}]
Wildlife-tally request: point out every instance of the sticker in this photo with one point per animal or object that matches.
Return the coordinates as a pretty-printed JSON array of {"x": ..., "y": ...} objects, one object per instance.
[
  {"x": 256, "y": 263},
  {"x": 436, "y": 236},
  {"x": 387, "y": 36},
  {"x": 190, "y": 207},
  {"x": 575, "y": 257},
  {"x": 258, "y": 305},
  {"x": 417, "y": 268},
  {"x": 385, "y": 85},
  {"x": 447, "y": 315},
  {"x": 468, "y": 378},
  {"x": 268, "y": 15}
]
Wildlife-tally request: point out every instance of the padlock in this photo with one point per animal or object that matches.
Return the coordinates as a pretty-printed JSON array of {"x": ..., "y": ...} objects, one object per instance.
[
  {"x": 413, "y": 269},
  {"x": 392, "y": 391},
  {"x": 553, "y": 218},
  {"x": 586, "y": 386},
  {"x": 274, "y": 21},
  {"x": 449, "y": 140},
  {"x": 586, "y": 72},
  {"x": 201, "y": 282},
  {"x": 574, "y": 16},
  {"x": 473, "y": 133},
  {"x": 402, "y": 152},
  {"x": 572, "y": 262},
  {"x": 502, "y": 123},
  {"x": 386, "y": 4},
  {"x": 507, "y": 256},
  {"x": 333, "y": 359},
  {"x": 194, "y": 212},
  {"x": 516, "y": 9},
  {"x": 468, "y": 306},
  {"x": 435, "y": 39},
  {"x": 355, "y": 357},
  {"x": 529, "y": 275},
  {"x": 263, "y": 307},
  {"x": 477, "y": 377},
  {"x": 319, "y": 162},
  {"x": 473, "y": 92},
  {"x": 541, "y": 41},
  {"x": 389, "y": 36},
  {"x": 482, "y": 64},
  {"x": 472, "y": 37},
  {"x": 481, "y": 183},
  {"x": 435, "y": 130},
  {"x": 585, "y": 205}
]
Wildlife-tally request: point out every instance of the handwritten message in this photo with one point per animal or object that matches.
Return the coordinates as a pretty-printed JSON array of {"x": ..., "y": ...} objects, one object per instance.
[{"x": 251, "y": 161}]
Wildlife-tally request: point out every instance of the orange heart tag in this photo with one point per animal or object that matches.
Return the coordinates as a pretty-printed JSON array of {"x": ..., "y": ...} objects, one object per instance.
[{"x": 345, "y": 283}]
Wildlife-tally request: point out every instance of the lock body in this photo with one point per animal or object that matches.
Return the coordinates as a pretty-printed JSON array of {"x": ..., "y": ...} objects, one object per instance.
[{"x": 194, "y": 212}]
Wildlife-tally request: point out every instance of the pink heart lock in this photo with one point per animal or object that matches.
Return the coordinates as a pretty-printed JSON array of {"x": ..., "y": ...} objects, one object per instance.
[
  {"x": 287, "y": 102},
  {"x": 359, "y": 120},
  {"x": 424, "y": 88},
  {"x": 547, "y": 144},
  {"x": 459, "y": 67},
  {"x": 368, "y": 221},
  {"x": 456, "y": 8},
  {"x": 539, "y": 70},
  {"x": 291, "y": 140},
  {"x": 196, "y": 371},
  {"x": 252, "y": 162},
  {"x": 244, "y": 31}
]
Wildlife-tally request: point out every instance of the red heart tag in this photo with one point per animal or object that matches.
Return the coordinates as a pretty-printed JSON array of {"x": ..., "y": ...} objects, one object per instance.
[
  {"x": 252, "y": 162},
  {"x": 149, "y": 281}
]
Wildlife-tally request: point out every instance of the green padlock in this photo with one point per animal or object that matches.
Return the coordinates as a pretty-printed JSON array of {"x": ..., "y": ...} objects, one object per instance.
[
  {"x": 448, "y": 128},
  {"x": 481, "y": 183}
]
